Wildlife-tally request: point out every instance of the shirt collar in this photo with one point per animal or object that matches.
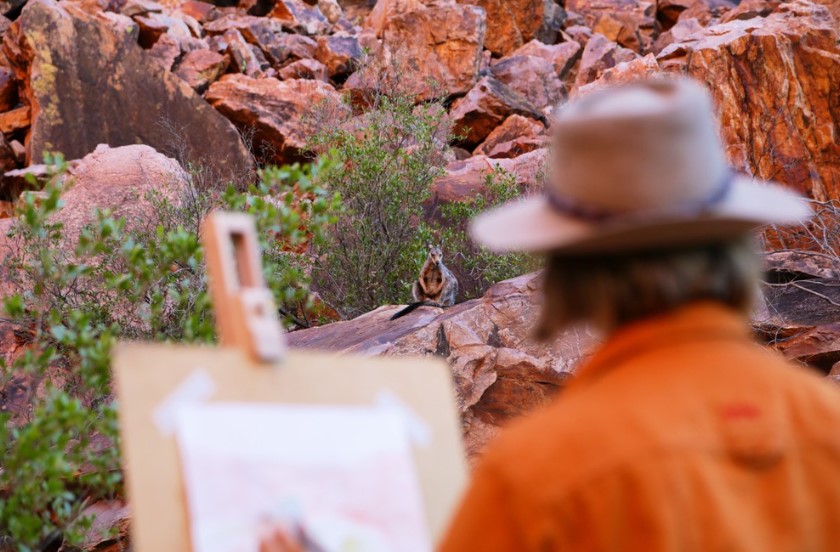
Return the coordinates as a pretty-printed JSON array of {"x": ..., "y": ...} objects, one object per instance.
[{"x": 698, "y": 321}]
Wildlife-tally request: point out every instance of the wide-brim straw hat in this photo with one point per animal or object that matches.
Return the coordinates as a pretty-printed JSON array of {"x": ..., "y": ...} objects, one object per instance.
[{"x": 637, "y": 166}]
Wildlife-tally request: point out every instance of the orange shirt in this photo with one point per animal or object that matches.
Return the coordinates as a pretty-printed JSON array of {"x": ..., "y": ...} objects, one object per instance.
[{"x": 681, "y": 435}]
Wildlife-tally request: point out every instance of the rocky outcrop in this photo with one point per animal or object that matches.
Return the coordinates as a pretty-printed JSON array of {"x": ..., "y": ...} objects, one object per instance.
[
  {"x": 512, "y": 23},
  {"x": 775, "y": 82},
  {"x": 464, "y": 179},
  {"x": 273, "y": 111},
  {"x": 485, "y": 107},
  {"x": 87, "y": 82},
  {"x": 630, "y": 23},
  {"x": 436, "y": 50},
  {"x": 599, "y": 55},
  {"x": 515, "y": 136},
  {"x": 499, "y": 371},
  {"x": 534, "y": 78}
]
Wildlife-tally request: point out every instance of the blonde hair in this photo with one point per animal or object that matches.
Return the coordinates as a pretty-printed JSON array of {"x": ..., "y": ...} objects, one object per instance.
[{"x": 610, "y": 291}]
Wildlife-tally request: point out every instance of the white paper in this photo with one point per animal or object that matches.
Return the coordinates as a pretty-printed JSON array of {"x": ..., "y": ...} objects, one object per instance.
[{"x": 346, "y": 474}]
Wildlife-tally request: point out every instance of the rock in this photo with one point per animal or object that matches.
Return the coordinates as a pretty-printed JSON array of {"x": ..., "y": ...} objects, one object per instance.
[
  {"x": 200, "y": 68},
  {"x": 198, "y": 10},
  {"x": 299, "y": 46},
  {"x": 243, "y": 55},
  {"x": 599, "y": 55},
  {"x": 383, "y": 10},
  {"x": 499, "y": 371},
  {"x": 684, "y": 28},
  {"x": 8, "y": 90},
  {"x": 264, "y": 33},
  {"x": 748, "y": 9},
  {"x": 630, "y": 23},
  {"x": 300, "y": 17},
  {"x": 305, "y": 69},
  {"x": 153, "y": 25},
  {"x": 464, "y": 179},
  {"x": 16, "y": 182},
  {"x": 515, "y": 136},
  {"x": 164, "y": 52},
  {"x": 77, "y": 73},
  {"x": 775, "y": 83},
  {"x": 708, "y": 12},
  {"x": 109, "y": 530},
  {"x": 579, "y": 34},
  {"x": 8, "y": 158},
  {"x": 532, "y": 77},
  {"x": 273, "y": 110},
  {"x": 331, "y": 10},
  {"x": 485, "y": 107},
  {"x": 15, "y": 120},
  {"x": 563, "y": 56},
  {"x": 339, "y": 54},
  {"x": 512, "y": 23},
  {"x": 118, "y": 179},
  {"x": 436, "y": 49},
  {"x": 625, "y": 72},
  {"x": 357, "y": 11}
]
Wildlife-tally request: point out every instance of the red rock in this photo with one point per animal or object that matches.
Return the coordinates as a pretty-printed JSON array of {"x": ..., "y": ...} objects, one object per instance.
[
  {"x": 563, "y": 56},
  {"x": 498, "y": 370},
  {"x": 8, "y": 90},
  {"x": 464, "y": 179},
  {"x": 273, "y": 110},
  {"x": 8, "y": 159},
  {"x": 339, "y": 54},
  {"x": 77, "y": 72},
  {"x": 775, "y": 82},
  {"x": 331, "y": 10},
  {"x": 532, "y": 77},
  {"x": 262, "y": 32},
  {"x": 164, "y": 52},
  {"x": 300, "y": 17},
  {"x": 630, "y": 23},
  {"x": 299, "y": 46},
  {"x": 625, "y": 72},
  {"x": 198, "y": 10},
  {"x": 484, "y": 108},
  {"x": 749, "y": 9},
  {"x": 153, "y": 25},
  {"x": 243, "y": 56},
  {"x": 515, "y": 136},
  {"x": 436, "y": 51},
  {"x": 599, "y": 55},
  {"x": 512, "y": 23},
  {"x": 708, "y": 12},
  {"x": 680, "y": 32},
  {"x": 15, "y": 120},
  {"x": 200, "y": 68},
  {"x": 305, "y": 69}
]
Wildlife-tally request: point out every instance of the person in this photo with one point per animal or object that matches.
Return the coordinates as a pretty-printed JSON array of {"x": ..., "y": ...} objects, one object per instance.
[{"x": 679, "y": 433}]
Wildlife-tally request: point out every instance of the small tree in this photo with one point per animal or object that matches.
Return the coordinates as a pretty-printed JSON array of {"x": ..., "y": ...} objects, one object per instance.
[{"x": 59, "y": 451}]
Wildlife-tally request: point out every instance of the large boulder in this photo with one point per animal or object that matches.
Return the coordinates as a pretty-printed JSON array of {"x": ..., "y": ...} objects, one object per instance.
[
  {"x": 775, "y": 80},
  {"x": 535, "y": 78},
  {"x": 87, "y": 82},
  {"x": 512, "y": 23},
  {"x": 274, "y": 111},
  {"x": 485, "y": 107},
  {"x": 599, "y": 55},
  {"x": 499, "y": 370},
  {"x": 429, "y": 52}
]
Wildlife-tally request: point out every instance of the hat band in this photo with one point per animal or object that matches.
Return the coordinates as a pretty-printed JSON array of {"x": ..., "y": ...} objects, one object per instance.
[{"x": 570, "y": 207}]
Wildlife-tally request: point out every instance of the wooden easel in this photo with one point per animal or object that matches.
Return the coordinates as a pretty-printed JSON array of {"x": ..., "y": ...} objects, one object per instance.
[{"x": 252, "y": 365}]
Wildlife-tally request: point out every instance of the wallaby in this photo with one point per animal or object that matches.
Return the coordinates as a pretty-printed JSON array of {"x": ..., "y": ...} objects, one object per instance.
[{"x": 435, "y": 287}]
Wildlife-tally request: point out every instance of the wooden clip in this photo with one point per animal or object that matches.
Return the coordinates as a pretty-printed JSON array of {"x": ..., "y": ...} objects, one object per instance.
[{"x": 246, "y": 316}]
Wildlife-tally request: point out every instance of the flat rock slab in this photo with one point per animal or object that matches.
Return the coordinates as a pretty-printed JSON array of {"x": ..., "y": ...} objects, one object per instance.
[{"x": 88, "y": 82}]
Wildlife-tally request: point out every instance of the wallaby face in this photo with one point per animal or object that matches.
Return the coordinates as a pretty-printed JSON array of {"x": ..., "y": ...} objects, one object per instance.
[{"x": 435, "y": 254}]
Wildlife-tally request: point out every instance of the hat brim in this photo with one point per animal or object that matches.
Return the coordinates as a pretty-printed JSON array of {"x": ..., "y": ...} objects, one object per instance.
[{"x": 532, "y": 225}]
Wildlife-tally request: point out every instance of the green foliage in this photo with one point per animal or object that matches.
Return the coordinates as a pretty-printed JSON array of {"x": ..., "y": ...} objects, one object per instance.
[
  {"x": 387, "y": 160},
  {"x": 475, "y": 267},
  {"x": 76, "y": 295}
]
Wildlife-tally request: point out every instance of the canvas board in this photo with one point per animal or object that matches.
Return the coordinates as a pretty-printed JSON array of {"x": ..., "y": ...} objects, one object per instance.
[{"x": 157, "y": 384}]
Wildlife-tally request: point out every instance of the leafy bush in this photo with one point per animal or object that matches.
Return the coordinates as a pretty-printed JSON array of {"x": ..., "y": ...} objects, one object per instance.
[
  {"x": 74, "y": 300},
  {"x": 475, "y": 267},
  {"x": 387, "y": 159}
]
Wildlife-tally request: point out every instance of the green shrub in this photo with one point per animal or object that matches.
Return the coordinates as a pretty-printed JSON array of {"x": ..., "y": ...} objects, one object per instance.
[
  {"x": 475, "y": 267},
  {"x": 74, "y": 300},
  {"x": 387, "y": 160}
]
